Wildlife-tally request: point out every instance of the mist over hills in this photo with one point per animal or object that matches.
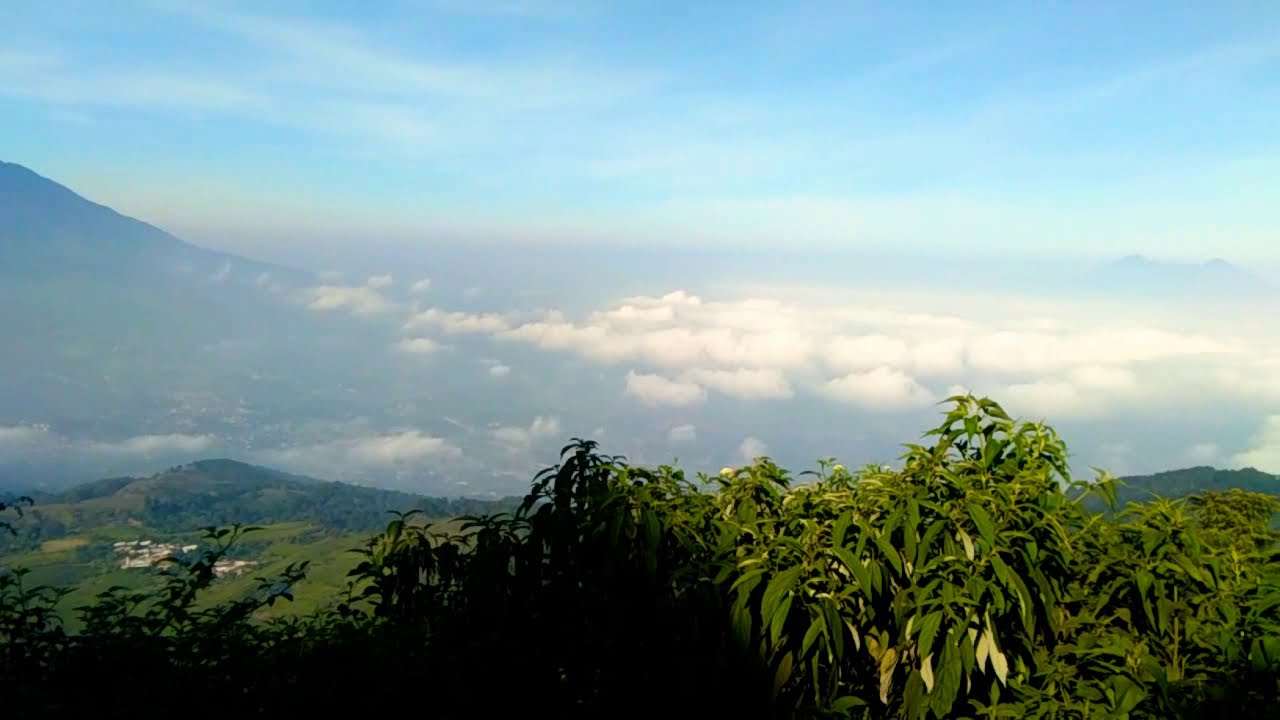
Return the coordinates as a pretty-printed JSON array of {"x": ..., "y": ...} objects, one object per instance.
[{"x": 452, "y": 371}]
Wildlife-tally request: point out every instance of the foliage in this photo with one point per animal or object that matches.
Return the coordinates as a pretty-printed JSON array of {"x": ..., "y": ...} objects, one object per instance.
[{"x": 975, "y": 580}]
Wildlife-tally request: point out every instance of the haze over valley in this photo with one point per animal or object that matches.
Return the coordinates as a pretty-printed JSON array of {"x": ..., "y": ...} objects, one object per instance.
[
  {"x": 461, "y": 371},
  {"x": 421, "y": 247}
]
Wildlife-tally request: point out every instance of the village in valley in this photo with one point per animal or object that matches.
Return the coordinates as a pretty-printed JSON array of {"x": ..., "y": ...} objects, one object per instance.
[{"x": 149, "y": 553}]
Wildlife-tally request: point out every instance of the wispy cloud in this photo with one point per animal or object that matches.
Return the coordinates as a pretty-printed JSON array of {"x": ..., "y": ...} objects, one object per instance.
[
  {"x": 362, "y": 455},
  {"x": 418, "y": 346},
  {"x": 39, "y": 440},
  {"x": 340, "y": 57},
  {"x": 357, "y": 299},
  {"x": 1264, "y": 453},
  {"x": 752, "y": 448},
  {"x": 652, "y": 389},
  {"x": 518, "y": 439}
]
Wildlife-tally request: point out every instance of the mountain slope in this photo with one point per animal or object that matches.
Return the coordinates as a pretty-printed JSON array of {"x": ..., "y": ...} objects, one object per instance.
[
  {"x": 1186, "y": 481},
  {"x": 222, "y": 492},
  {"x": 45, "y": 226},
  {"x": 111, "y": 328}
]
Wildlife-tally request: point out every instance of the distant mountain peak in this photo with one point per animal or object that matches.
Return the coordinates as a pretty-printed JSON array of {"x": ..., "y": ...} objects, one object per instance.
[
  {"x": 1142, "y": 274},
  {"x": 47, "y": 228}
]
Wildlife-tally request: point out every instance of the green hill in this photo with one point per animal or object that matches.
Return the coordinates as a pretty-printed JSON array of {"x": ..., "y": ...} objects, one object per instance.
[
  {"x": 1187, "y": 481},
  {"x": 222, "y": 492},
  {"x": 83, "y": 537}
]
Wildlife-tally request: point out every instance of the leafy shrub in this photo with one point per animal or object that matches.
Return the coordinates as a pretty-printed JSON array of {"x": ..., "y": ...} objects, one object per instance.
[{"x": 976, "y": 580}]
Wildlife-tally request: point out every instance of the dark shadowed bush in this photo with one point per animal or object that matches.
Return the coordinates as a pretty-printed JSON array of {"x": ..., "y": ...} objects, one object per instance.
[{"x": 976, "y": 580}]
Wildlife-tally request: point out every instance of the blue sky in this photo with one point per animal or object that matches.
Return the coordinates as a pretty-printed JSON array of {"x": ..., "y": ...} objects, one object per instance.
[{"x": 1089, "y": 128}]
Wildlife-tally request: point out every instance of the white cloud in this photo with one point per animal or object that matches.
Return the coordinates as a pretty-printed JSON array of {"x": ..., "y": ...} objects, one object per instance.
[
  {"x": 879, "y": 349},
  {"x": 221, "y": 273},
  {"x": 365, "y": 453},
  {"x": 752, "y": 448},
  {"x": 499, "y": 370},
  {"x": 263, "y": 280},
  {"x": 151, "y": 445},
  {"x": 377, "y": 282},
  {"x": 17, "y": 440},
  {"x": 1046, "y": 398},
  {"x": 1032, "y": 352},
  {"x": 1204, "y": 453},
  {"x": 358, "y": 299},
  {"x": 522, "y": 438},
  {"x": 867, "y": 352},
  {"x": 421, "y": 286},
  {"x": 22, "y": 438},
  {"x": 1265, "y": 451},
  {"x": 658, "y": 390},
  {"x": 457, "y": 322},
  {"x": 743, "y": 382},
  {"x": 418, "y": 346},
  {"x": 883, "y": 388},
  {"x": 682, "y": 435},
  {"x": 42, "y": 438}
]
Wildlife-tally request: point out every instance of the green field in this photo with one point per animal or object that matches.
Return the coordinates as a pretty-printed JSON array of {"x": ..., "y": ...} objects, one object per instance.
[{"x": 273, "y": 547}]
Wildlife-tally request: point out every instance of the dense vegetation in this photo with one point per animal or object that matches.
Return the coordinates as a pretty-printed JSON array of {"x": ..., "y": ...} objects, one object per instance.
[{"x": 972, "y": 581}]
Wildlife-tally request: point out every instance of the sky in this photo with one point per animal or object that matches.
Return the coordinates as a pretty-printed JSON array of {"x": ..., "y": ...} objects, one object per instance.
[
  {"x": 1088, "y": 129},
  {"x": 704, "y": 231}
]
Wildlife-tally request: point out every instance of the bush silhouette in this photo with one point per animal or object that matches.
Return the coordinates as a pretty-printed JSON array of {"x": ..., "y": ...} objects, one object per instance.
[{"x": 976, "y": 580}]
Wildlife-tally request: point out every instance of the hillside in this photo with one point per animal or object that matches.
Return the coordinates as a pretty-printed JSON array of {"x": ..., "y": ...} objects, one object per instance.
[
  {"x": 1186, "y": 481},
  {"x": 221, "y": 492},
  {"x": 93, "y": 536}
]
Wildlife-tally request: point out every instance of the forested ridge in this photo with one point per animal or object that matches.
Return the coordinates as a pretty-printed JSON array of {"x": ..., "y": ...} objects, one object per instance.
[
  {"x": 974, "y": 579},
  {"x": 222, "y": 492}
]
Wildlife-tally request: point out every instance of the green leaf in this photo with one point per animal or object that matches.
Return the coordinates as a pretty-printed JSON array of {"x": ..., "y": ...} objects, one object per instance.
[
  {"x": 888, "y": 660},
  {"x": 889, "y": 551},
  {"x": 841, "y": 527},
  {"x": 967, "y": 541},
  {"x": 926, "y": 542},
  {"x": 928, "y": 631},
  {"x": 779, "y": 620},
  {"x": 983, "y": 522},
  {"x": 947, "y": 685},
  {"x": 1144, "y": 580},
  {"x": 783, "y": 673},
  {"x": 780, "y": 585},
  {"x": 816, "y": 629},
  {"x": 835, "y": 628},
  {"x": 856, "y": 568},
  {"x": 1125, "y": 695}
]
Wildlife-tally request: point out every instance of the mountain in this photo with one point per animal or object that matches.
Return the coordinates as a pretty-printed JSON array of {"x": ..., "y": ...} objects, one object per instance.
[
  {"x": 1180, "y": 483},
  {"x": 114, "y": 532},
  {"x": 1138, "y": 275},
  {"x": 222, "y": 492},
  {"x": 112, "y": 329},
  {"x": 46, "y": 227}
]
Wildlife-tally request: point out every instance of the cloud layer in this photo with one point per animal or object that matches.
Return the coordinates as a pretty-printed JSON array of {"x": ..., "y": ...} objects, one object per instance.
[{"x": 886, "y": 354}]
